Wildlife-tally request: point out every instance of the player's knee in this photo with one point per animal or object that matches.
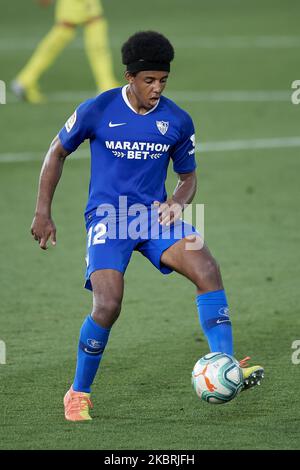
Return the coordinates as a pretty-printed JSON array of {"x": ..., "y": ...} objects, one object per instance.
[
  {"x": 94, "y": 19},
  {"x": 106, "y": 311},
  {"x": 67, "y": 24}
]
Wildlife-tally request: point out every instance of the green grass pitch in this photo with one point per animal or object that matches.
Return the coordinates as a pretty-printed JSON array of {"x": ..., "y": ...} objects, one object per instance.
[{"x": 142, "y": 396}]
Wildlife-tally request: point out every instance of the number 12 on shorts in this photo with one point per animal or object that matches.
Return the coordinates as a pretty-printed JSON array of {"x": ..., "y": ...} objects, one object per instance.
[{"x": 95, "y": 233}]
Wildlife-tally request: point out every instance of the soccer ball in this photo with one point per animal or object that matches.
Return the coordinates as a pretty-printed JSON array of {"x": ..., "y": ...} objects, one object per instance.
[{"x": 217, "y": 378}]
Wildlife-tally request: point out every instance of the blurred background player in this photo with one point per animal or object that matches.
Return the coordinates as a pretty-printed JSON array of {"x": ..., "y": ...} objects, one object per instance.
[{"x": 68, "y": 15}]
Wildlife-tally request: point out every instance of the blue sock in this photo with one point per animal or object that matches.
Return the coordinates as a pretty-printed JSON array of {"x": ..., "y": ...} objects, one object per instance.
[
  {"x": 215, "y": 322},
  {"x": 92, "y": 341}
]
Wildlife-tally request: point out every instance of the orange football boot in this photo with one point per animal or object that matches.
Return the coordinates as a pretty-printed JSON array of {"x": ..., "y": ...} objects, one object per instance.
[{"x": 77, "y": 405}]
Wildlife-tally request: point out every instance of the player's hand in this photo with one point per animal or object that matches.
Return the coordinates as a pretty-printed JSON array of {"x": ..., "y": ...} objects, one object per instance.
[
  {"x": 168, "y": 211},
  {"x": 43, "y": 228}
]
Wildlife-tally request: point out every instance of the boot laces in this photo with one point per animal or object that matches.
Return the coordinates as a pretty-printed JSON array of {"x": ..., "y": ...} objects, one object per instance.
[
  {"x": 244, "y": 362},
  {"x": 79, "y": 403}
]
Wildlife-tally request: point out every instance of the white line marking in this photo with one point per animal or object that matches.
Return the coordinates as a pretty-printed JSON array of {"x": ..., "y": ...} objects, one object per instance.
[
  {"x": 221, "y": 146},
  {"x": 197, "y": 42},
  {"x": 231, "y": 95},
  {"x": 181, "y": 96},
  {"x": 253, "y": 144},
  {"x": 237, "y": 42}
]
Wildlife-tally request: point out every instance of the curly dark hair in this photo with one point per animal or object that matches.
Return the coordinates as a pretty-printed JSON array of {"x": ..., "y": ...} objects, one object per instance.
[{"x": 149, "y": 46}]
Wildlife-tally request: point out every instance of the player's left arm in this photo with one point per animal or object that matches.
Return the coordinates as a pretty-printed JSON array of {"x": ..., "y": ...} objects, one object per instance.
[{"x": 171, "y": 210}]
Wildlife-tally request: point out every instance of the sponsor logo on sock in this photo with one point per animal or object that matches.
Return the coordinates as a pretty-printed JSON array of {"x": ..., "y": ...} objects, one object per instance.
[
  {"x": 93, "y": 343},
  {"x": 92, "y": 352},
  {"x": 92, "y": 346},
  {"x": 222, "y": 321},
  {"x": 224, "y": 311}
]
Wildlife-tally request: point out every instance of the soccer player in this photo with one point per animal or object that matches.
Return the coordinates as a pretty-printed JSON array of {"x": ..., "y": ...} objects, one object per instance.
[
  {"x": 69, "y": 14},
  {"x": 134, "y": 132}
]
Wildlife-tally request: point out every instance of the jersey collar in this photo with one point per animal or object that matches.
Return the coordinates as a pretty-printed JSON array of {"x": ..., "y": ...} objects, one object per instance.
[{"x": 125, "y": 98}]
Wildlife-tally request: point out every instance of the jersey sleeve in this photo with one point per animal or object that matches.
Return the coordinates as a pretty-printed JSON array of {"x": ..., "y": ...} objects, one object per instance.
[
  {"x": 78, "y": 127},
  {"x": 183, "y": 153}
]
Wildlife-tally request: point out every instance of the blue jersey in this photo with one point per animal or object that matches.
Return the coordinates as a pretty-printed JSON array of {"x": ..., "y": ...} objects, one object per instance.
[{"x": 130, "y": 152}]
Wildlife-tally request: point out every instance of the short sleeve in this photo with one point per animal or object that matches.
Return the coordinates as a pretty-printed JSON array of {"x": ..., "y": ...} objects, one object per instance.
[
  {"x": 183, "y": 153},
  {"x": 78, "y": 127}
]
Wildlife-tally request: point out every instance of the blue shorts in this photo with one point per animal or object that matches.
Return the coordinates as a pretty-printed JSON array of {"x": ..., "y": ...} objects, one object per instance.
[{"x": 110, "y": 243}]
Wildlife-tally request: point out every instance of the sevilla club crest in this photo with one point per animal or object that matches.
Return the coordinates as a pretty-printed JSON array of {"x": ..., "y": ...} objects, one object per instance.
[{"x": 162, "y": 126}]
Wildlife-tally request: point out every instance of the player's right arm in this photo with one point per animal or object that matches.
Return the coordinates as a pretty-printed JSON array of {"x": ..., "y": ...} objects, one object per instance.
[
  {"x": 43, "y": 227},
  {"x": 77, "y": 128}
]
